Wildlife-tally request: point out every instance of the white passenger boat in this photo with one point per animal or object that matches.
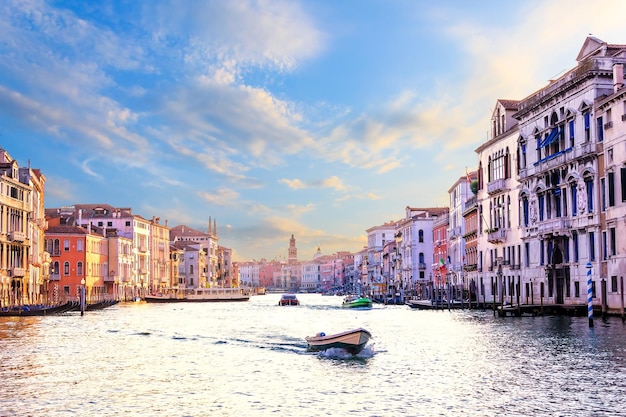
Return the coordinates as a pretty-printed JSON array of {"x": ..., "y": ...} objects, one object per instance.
[{"x": 199, "y": 295}]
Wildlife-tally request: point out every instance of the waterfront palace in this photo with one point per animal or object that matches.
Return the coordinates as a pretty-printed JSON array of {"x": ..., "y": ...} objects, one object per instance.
[{"x": 543, "y": 209}]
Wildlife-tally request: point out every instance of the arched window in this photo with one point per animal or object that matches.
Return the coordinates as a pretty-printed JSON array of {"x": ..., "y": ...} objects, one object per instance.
[
  {"x": 191, "y": 269},
  {"x": 79, "y": 268},
  {"x": 66, "y": 268},
  {"x": 66, "y": 245},
  {"x": 421, "y": 257},
  {"x": 421, "y": 236},
  {"x": 56, "y": 249},
  {"x": 79, "y": 245}
]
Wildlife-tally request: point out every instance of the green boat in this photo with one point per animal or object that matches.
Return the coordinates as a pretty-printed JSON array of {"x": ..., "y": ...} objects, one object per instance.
[{"x": 360, "y": 302}]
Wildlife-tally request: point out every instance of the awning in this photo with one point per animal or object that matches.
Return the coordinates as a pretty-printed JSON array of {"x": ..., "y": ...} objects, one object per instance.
[{"x": 551, "y": 138}]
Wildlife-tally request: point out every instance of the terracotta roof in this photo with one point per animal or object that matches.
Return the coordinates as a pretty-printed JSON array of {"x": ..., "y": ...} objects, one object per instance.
[
  {"x": 183, "y": 230},
  {"x": 70, "y": 230},
  {"x": 509, "y": 104}
]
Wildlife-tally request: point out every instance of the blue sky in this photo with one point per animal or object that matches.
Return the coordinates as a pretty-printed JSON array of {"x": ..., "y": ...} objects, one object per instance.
[{"x": 314, "y": 118}]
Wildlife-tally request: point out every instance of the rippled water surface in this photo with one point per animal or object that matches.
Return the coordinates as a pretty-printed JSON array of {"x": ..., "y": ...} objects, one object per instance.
[{"x": 250, "y": 359}]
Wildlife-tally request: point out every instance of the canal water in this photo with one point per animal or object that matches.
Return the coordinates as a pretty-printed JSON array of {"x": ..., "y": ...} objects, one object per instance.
[{"x": 250, "y": 359}]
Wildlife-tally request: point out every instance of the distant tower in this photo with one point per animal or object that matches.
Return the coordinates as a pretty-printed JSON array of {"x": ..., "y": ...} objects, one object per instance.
[{"x": 293, "y": 252}]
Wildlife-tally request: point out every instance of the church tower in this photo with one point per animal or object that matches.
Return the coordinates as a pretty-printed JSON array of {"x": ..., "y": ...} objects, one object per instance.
[{"x": 293, "y": 252}]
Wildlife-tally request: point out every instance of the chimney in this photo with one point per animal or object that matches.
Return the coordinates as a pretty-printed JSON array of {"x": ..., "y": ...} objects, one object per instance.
[{"x": 618, "y": 77}]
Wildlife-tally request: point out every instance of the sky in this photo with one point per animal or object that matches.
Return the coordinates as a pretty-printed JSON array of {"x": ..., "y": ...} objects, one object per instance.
[{"x": 317, "y": 118}]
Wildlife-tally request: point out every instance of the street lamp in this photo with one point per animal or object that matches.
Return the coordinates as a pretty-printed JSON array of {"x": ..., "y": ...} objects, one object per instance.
[{"x": 82, "y": 296}]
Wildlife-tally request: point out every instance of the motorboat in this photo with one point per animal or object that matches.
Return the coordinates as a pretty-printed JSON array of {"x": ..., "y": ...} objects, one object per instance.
[
  {"x": 353, "y": 341},
  {"x": 360, "y": 302},
  {"x": 289, "y": 300}
]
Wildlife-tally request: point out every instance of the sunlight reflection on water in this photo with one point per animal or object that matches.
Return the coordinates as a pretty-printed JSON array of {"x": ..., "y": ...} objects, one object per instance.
[{"x": 234, "y": 359}]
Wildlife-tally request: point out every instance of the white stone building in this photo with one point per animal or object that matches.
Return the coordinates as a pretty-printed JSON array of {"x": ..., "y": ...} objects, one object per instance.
[
  {"x": 497, "y": 199},
  {"x": 560, "y": 140}
]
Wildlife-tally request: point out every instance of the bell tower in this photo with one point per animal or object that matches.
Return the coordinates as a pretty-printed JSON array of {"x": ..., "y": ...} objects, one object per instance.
[{"x": 293, "y": 251}]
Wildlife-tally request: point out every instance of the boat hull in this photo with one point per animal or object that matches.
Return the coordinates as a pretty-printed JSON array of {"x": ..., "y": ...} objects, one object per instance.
[
  {"x": 360, "y": 303},
  {"x": 352, "y": 341}
]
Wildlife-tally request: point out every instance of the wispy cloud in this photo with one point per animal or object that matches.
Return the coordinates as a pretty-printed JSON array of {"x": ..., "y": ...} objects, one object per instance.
[{"x": 333, "y": 182}]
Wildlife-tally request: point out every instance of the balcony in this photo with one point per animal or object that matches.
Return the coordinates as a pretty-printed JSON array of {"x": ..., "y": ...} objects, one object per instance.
[
  {"x": 16, "y": 236},
  {"x": 143, "y": 271},
  {"x": 421, "y": 265},
  {"x": 496, "y": 186},
  {"x": 143, "y": 248},
  {"x": 16, "y": 272},
  {"x": 496, "y": 236},
  {"x": 55, "y": 277},
  {"x": 454, "y": 232},
  {"x": 585, "y": 220},
  {"x": 558, "y": 226},
  {"x": 584, "y": 149}
]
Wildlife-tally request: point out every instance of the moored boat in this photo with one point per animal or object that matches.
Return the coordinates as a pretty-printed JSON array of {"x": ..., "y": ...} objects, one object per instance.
[
  {"x": 37, "y": 310},
  {"x": 352, "y": 341},
  {"x": 199, "y": 295},
  {"x": 357, "y": 302}
]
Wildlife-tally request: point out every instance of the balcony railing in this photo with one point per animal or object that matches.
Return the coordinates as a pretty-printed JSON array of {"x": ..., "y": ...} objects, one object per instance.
[
  {"x": 422, "y": 265},
  {"x": 496, "y": 186},
  {"x": 454, "y": 232},
  {"x": 16, "y": 272},
  {"x": 554, "y": 225},
  {"x": 496, "y": 236},
  {"x": 55, "y": 277},
  {"x": 586, "y": 148},
  {"x": 16, "y": 236}
]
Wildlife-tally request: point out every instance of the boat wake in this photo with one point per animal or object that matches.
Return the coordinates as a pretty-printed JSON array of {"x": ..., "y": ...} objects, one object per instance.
[{"x": 342, "y": 354}]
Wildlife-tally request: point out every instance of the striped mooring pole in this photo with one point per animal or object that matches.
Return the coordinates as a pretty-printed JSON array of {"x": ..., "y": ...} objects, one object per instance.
[{"x": 589, "y": 295}]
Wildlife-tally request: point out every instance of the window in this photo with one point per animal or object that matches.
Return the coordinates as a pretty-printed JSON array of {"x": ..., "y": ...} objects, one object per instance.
[
  {"x": 541, "y": 206},
  {"x": 604, "y": 246},
  {"x": 79, "y": 268},
  {"x": 100, "y": 224},
  {"x": 622, "y": 172},
  {"x": 527, "y": 254},
  {"x": 603, "y": 192},
  {"x": 587, "y": 122},
  {"x": 612, "y": 236},
  {"x": 575, "y": 245},
  {"x": 66, "y": 245},
  {"x": 611, "y": 190},
  {"x": 592, "y": 246},
  {"x": 542, "y": 253},
  {"x": 614, "y": 283},
  {"x": 600, "y": 129},
  {"x": 127, "y": 224},
  {"x": 577, "y": 289},
  {"x": 109, "y": 224},
  {"x": 66, "y": 268},
  {"x": 79, "y": 245},
  {"x": 571, "y": 133},
  {"x": 589, "y": 188},
  {"x": 574, "y": 192},
  {"x": 421, "y": 236}
]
